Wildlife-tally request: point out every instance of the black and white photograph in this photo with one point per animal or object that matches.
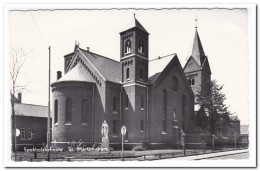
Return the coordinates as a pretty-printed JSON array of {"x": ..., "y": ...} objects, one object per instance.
[{"x": 130, "y": 86}]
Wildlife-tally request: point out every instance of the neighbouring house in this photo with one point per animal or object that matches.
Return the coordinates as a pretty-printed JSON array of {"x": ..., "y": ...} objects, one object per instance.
[
  {"x": 31, "y": 123},
  {"x": 244, "y": 135}
]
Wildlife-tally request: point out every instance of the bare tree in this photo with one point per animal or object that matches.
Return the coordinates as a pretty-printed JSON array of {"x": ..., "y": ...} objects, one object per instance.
[{"x": 17, "y": 60}]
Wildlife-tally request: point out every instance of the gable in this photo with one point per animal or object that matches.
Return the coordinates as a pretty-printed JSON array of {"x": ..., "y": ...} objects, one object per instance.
[
  {"x": 191, "y": 65},
  {"x": 106, "y": 68},
  {"x": 174, "y": 63}
]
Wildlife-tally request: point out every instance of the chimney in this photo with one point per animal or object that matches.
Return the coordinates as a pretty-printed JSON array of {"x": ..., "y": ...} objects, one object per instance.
[
  {"x": 58, "y": 75},
  {"x": 19, "y": 97},
  {"x": 88, "y": 49}
]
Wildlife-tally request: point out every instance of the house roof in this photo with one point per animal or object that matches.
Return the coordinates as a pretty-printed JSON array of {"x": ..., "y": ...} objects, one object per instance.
[
  {"x": 22, "y": 109},
  {"x": 16, "y": 100},
  {"x": 134, "y": 23},
  {"x": 78, "y": 73},
  {"x": 153, "y": 78},
  {"x": 197, "y": 49},
  {"x": 108, "y": 68},
  {"x": 244, "y": 129}
]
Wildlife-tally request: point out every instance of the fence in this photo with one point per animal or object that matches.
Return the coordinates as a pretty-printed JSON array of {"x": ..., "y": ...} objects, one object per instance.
[{"x": 141, "y": 157}]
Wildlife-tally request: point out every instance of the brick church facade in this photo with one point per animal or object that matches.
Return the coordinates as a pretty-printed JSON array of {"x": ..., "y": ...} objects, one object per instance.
[{"x": 155, "y": 110}]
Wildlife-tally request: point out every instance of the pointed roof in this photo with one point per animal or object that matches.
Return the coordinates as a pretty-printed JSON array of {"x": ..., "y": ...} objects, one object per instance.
[
  {"x": 197, "y": 50},
  {"x": 134, "y": 23},
  {"x": 78, "y": 73},
  {"x": 107, "y": 67},
  {"x": 111, "y": 72}
]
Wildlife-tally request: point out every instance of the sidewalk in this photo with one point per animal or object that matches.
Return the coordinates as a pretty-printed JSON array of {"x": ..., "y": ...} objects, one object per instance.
[{"x": 210, "y": 155}]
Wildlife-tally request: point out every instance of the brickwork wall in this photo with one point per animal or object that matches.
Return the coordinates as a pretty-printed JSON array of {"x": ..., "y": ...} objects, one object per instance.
[
  {"x": 39, "y": 129},
  {"x": 113, "y": 115},
  {"x": 174, "y": 101},
  {"x": 65, "y": 132},
  {"x": 134, "y": 114}
]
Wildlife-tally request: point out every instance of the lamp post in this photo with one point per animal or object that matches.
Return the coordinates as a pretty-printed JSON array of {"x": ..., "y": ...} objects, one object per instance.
[{"x": 213, "y": 141}]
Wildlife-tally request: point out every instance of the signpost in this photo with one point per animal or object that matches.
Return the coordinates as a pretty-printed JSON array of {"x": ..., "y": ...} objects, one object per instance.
[
  {"x": 17, "y": 132},
  {"x": 123, "y": 132}
]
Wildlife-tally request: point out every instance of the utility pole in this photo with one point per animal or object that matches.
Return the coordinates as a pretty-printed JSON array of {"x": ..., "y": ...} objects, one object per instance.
[{"x": 48, "y": 124}]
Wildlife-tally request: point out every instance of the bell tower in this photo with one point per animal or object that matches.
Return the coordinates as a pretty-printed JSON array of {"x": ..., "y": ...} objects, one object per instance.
[
  {"x": 134, "y": 53},
  {"x": 134, "y": 67}
]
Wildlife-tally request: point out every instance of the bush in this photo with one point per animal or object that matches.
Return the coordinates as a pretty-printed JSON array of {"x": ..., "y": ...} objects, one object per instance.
[
  {"x": 138, "y": 147},
  {"x": 74, "y": 144}
]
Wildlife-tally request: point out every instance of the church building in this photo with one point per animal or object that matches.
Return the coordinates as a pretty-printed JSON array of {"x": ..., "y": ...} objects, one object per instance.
[{"x": 156, "y": 110}]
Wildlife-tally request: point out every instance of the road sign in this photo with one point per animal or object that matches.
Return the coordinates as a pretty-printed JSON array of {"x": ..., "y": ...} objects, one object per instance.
[
  {"x": 123, "y": 130},
  {"x": 17, "y": 132}
]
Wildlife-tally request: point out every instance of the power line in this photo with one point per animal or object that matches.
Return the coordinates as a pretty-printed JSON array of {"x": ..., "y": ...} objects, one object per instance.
[
  {"x": 160, "y": 57},
  {"x": 38, "y": 29}
]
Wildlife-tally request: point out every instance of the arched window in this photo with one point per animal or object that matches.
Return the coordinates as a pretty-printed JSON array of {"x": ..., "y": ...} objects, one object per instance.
[
  {"x": 174, "y": 114},
  {"x": 192, "y": 81},
  {"x": 30, "y": 134},
  {"x": 84, "y": 112},
  {"x": 68, "y": 111},
  {"x": 126, "y": 101},
  {"x": 127, "y": 73},
  {"x": 55, "y": 111},
  {"x": 114, "y": 126},
  {"x": 142, "y": 101},
  {"x": 174, "y": 84},
  {"x": 183, "y": 112},
  {"x": 164, "y": 100},
  {"x": 23, "y": 134},
  {"x": 141, "y": 74},
  {"x": 142, "y": 125},
  {"x": 164, "y": 117},
  {"x": 141, "y": 47},
  {"x": 128, "y": 46},
  {"x": 114, "y": 104}
]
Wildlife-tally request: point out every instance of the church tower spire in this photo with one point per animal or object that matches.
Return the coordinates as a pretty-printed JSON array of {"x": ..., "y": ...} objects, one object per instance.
[
  {"x": 197, "y": 68},
  {"x": 197, "y": 49}
]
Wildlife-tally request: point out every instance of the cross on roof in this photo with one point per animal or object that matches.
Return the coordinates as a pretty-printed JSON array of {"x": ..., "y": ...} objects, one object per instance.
[{"x": 196, "y": 20}]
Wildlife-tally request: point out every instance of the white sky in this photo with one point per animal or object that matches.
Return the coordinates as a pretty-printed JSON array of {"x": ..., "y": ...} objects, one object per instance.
[{"x": 223, "y": 34}]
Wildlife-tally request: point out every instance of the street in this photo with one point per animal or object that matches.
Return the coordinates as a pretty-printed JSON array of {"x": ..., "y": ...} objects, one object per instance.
[
  {"x": 233, "y": 156},
  {"x": 236, "y": 154}
]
